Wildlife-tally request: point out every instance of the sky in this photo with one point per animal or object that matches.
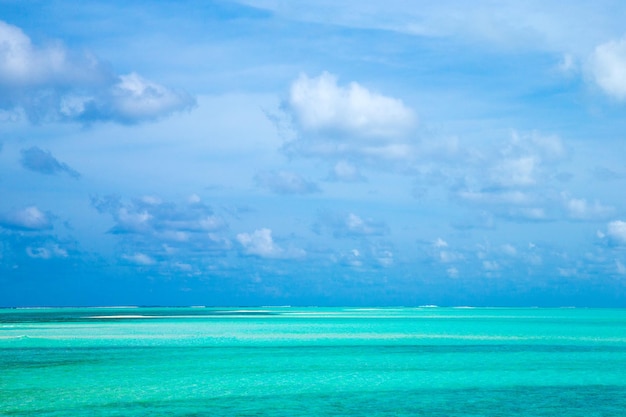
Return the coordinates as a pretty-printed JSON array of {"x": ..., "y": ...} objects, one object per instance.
[{"x": 357, "y": 153}]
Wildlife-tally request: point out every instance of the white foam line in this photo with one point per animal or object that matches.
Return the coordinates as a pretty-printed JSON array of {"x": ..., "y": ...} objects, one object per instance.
[{"x": 129, "y": 316}]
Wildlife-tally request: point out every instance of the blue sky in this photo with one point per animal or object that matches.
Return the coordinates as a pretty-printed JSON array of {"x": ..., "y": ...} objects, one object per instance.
[{"x": 312, "y": 153}]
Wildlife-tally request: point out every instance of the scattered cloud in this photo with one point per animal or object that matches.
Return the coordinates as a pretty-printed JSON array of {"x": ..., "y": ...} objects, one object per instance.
[
  {"x": 149, "y": 215},
  {"x": 346, "y": 224},
  {"x": 27, "y": 219},
  {"x": 53, "y": 250},
  {"x": 130, "y": 99},
  {"x": 260, "y": 243},
  {"x": 151, "y": 231},
  {"x": 39, "y": 160},
  {"x": 370, "y": 259},
  {"x": 452, "y": 272},
  {"x": 516, "y": 172},
  {"x": 284, "y": 182},
  {"x": 345, "y": 172},
  {"x": 616, "y": 231},
  {"x": 440, "y": 243},
  {"x": 608, "y": 68},
  {"x": 491, "y": 265},
  {"x": 139, "y": 259},
  {"x": 52, "y": 83},
  {"x": 509, "y": 249},
  {"x": 514, "y": 181},
  {"x": 567, "y": 65},
  {"x": 581, "y": 209}
]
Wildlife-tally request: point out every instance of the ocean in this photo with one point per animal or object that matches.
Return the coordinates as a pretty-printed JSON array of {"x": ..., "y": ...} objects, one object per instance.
[{"x": 287, "y": 361}]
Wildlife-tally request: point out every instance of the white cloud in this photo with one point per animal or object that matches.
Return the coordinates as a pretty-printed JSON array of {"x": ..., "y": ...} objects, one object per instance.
[
  {"x": 194, "y": 199},
  {"x": 608, "y": 67},
  {"x": 28, "y": 218},
  {"x": 509, "y": 249},
  {"x": 515, "y": 172},
  {"x": 346, "y": 172},
  {"x": 441, "y": 252},
  {"x": 134, "y": 98},
  {"x": 440, "y": 243},
  {"x": 353, "y": 258},
  {"x": 23, "y": 64},
  {"x": 46, "y": 252},
  {"x": 528, "y": 213},
  {"x": 348, "y": 224},
  {"x": 448, "y": 256},
  {"x": 616, "y": 231},
  {"x": 385, "y": 258},
  {"x": 336, "y": 123},
  {"x": 149, "y": 215},
  {"x": 132, "y": 221},
  {"x": 567, "y": 64},
  {"x": 567, "y": 272},
  {"x": 284, "y": 182},
  {"x": 452, "y": 272},
  {"x": 514, "y": 181},
  {"x": 491, "y": 265},
  {"x": 319, "y": 104},
  {"x": 52, "y": 83},
  {"x": 621, "y": 269},
  {"x": 164, "y": 231},
  {"x": 512, "y": 197},
  {"x": 580, "y": 209},
  {"x": 524, "y": 160},
  {"x": 139, "y": 259},
  {"x": 261, "y": 243}
]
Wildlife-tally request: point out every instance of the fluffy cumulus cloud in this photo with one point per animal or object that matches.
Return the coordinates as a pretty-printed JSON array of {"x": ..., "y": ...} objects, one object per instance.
[
  {"x": 42, "y": 161},
  {"x": 608, "y": 68},
  {"x": 338, "y": 121},
  {"x": 27, "y": 219},
  {"x": 284, "y": 182},
  {"x": 616, "y": 231},
  {"x": 52, "y": 83},
  {"x": 319, "y": 104},
  {"x": 261, "y": 243}
]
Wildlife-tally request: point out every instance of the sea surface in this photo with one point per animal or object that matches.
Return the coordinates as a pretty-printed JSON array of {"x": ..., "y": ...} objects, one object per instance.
[{"x": 285, "y": 361}]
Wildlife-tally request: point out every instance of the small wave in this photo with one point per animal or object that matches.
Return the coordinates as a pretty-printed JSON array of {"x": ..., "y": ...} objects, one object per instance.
[{"x": 116, "y": 307}]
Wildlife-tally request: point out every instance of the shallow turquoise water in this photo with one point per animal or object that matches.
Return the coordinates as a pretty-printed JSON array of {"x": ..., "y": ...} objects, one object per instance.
[{"x": 312, "y": 361}]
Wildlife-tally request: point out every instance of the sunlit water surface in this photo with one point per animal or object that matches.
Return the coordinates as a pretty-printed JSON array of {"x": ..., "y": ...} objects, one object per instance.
[{"x": 286, "y": 361}]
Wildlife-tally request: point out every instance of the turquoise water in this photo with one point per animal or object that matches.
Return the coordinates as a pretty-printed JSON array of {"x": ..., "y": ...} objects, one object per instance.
[{"x": 312, "y": 362}]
